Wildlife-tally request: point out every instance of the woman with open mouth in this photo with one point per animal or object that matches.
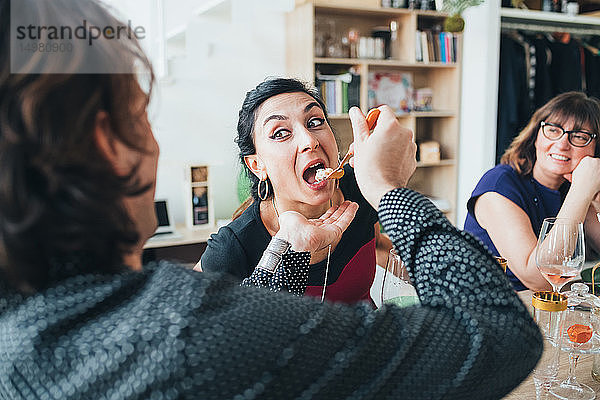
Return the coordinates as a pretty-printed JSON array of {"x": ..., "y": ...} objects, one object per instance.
[
  {"x": 284, "y": 138},
  {"x": 551, "y": 169}
]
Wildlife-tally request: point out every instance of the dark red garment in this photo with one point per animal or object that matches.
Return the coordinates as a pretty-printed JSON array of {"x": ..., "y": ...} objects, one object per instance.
[{"x": 355, "y": 280}]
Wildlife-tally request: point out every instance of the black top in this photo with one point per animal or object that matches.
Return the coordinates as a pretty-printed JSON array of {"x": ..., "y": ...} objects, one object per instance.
[
  {"x": 167, "y": 332},
  {"x": 237, "y": 247}
]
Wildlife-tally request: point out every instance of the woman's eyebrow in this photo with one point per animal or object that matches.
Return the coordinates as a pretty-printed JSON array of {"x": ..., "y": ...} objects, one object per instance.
[
  {"x": 284, "y": 118},
  {"x": 311, "y": 105},
  {"x": 277, "y": 117}
]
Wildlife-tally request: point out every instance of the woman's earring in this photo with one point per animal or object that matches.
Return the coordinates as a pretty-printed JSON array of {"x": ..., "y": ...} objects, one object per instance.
[{"x": 266, "y": 196}]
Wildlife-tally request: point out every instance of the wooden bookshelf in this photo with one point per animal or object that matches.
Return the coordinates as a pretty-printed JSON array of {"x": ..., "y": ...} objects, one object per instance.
[{"x": 437, "y": 179}]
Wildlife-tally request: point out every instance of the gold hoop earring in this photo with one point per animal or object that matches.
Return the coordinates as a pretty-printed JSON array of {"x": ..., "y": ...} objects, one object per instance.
[{"x": 266, "y": 190}]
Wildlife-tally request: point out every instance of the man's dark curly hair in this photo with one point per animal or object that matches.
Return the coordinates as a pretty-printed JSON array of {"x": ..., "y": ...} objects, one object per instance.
[{"x": 59, "y": 196}]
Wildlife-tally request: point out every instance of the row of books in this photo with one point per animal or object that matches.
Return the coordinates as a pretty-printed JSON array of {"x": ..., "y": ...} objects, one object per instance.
[
  {"x": 436, "y": 46},
  {"x": 339, "y": 91}
]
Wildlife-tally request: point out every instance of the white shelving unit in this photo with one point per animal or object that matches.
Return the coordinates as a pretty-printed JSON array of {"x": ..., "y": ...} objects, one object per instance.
[{"x": 435, "y": 179}]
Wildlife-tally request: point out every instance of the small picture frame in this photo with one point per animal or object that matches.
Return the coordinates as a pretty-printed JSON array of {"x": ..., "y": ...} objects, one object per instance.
[{"x": 200, "y": 212}]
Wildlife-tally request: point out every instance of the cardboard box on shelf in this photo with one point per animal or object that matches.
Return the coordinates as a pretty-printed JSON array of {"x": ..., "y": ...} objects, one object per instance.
[{"x": 429, "y": 152}]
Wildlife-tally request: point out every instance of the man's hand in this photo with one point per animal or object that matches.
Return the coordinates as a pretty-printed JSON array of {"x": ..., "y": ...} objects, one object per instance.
[
  {"x": 314, "y": 234},
  {"x": 385, "y": 159}
]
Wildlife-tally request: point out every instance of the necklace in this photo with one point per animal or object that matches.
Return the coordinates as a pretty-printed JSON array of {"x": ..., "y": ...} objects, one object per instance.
[{"x": 328, "y": 250}]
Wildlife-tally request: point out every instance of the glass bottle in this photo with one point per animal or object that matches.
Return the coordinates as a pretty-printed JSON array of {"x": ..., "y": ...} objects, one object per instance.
[{"x": 549, "y": 314}]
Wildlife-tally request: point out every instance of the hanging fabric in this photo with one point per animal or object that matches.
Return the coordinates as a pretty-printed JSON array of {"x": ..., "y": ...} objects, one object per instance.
[{"x": 536, "y": 66}]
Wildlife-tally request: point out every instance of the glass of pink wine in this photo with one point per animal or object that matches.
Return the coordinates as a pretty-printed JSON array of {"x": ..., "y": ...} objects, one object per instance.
[{"x": 560, "y": 251}]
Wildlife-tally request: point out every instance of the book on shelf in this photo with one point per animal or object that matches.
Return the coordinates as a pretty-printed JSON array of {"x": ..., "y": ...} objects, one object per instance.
[
  {"x": 440, "y": 43},
  {"x": 430, "y": 49},
  {"x": 435, "y": 47},
  {"x": 435, "y": 44},
  {"x": 418, "y": 48},
  {"x": 339, "y": 91},
  {"x": 424, "y": 47},
  {"x": 448, "y": 47},
  {"x": 454, "y": 42}
]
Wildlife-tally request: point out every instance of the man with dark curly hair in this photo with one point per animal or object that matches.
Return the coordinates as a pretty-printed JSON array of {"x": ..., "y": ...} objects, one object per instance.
[{"x": 82, "y": 318}]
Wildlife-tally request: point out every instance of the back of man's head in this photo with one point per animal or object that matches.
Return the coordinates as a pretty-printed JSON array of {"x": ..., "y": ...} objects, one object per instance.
[{"x": 59, "y": 197}]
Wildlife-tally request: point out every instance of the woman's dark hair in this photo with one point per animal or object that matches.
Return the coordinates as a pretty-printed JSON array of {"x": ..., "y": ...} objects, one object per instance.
[
  {"x": 247, "y": 119},
  {"x": 59, "y": 196},
  {"x": 584, "y": 111}
]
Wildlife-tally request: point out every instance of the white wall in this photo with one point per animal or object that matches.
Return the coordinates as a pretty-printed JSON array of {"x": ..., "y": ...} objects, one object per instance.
[
  {"x": 479, "y": 99},
  {"x": 227, "y": 53}
]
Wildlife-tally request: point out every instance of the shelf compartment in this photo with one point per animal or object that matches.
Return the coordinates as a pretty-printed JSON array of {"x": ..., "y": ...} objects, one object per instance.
[
  {"x": 437, "y": 183},
  {"x": 437, "y": 129}
]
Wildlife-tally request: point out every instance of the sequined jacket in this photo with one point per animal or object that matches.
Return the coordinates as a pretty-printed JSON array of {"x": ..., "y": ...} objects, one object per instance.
[{"x": 168, "y": 333}]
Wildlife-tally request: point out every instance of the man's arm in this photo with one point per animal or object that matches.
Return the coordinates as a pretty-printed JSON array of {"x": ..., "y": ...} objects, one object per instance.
[{"x": 471, "y": 337}]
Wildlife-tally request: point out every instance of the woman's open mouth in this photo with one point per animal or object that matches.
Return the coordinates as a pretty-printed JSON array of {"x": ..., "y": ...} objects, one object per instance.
[{"x": 310, "y": 176}]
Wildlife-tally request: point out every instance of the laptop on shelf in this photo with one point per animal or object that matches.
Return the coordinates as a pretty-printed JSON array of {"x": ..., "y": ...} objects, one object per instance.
[{"x": 166, "y": 227}]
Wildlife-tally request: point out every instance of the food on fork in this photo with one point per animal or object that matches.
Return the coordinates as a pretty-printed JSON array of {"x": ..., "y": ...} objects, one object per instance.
[
  {"x": 322, "y": 174},
  {"x": 328, "y": 173}
]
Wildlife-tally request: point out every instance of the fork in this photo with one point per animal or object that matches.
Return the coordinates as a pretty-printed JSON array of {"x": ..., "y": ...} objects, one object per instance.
[{"x": 338, "y": 172}]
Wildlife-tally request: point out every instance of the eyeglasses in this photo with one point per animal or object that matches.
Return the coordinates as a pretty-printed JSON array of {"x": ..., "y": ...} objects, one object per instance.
[{"x": 576, "y": 138}]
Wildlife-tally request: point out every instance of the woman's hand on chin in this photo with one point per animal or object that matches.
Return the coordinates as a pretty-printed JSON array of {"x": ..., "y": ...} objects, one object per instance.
[
  {"x": 314, "y": 234},
  {"x": 586, "y": 179}
]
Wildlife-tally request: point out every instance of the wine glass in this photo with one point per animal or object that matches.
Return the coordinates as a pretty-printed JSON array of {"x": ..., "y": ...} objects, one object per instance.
[
  {"x": 580, "y": 337},
  {"x": 396, "y": 288},
  {"x": 560, "y": 251}
]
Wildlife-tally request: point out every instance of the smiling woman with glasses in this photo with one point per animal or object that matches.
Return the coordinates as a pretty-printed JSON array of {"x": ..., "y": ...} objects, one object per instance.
[{"x": 551, "y": 169}]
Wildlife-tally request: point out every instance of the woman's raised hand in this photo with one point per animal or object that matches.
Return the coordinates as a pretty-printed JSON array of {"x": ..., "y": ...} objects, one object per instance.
[
  {"x": 314, "y": 234},
  {"x": 585, "y": 178}
]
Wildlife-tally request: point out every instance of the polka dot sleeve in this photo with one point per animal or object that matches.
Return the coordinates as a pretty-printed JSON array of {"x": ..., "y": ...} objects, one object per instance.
[
  {"x": 291, "y": 274},
  {"x": 456, "y": 276},
  {"x": 431, "y": 248}
]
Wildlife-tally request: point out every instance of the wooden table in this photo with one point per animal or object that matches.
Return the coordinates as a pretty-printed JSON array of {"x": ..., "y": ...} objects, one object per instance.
[
  {"x": 186, "y": 247},
  {"x": 583, "y": 372}
]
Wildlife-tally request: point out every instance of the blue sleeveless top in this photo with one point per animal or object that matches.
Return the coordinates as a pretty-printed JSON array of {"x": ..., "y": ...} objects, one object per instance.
[{"x": 535, "y": 199}]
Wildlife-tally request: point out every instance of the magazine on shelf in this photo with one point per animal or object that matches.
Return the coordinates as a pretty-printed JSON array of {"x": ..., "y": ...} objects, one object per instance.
[{"x": 392, "y": 88}]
